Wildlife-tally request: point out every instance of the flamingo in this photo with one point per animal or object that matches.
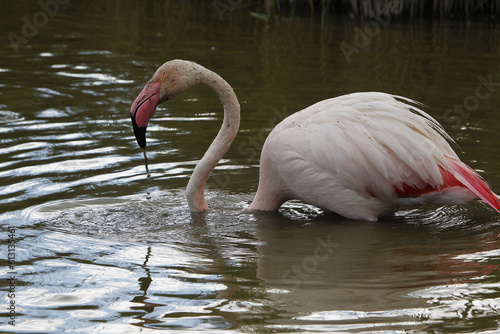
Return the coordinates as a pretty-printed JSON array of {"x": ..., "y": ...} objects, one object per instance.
[{"x": 361, "y": 155}]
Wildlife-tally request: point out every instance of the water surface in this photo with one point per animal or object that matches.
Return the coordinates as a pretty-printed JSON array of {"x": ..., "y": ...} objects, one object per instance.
[{"x": 101, "y": 248}]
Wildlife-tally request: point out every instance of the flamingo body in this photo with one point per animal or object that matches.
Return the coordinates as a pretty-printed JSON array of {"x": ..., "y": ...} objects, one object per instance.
[{"x": 361, "y": 155}]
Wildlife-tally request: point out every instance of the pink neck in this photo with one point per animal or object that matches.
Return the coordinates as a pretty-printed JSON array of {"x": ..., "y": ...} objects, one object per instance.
[{"x": 220, "y": 145}]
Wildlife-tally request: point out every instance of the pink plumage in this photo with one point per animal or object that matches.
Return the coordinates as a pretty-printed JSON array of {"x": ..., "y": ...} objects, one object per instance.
[
  {"x": 469, "y": 178},
  {"x": 364, "y": 155}
]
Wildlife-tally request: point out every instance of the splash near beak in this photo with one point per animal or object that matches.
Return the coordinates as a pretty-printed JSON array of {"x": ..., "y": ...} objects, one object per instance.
[{"x": 143, "y": 109}]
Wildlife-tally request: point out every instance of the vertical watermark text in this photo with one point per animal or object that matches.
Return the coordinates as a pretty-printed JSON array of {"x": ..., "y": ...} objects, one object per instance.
[{"x": 11, "y": 276}]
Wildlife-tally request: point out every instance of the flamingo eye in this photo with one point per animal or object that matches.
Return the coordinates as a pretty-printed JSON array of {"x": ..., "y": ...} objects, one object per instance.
[{"x": 162, "y": 78}]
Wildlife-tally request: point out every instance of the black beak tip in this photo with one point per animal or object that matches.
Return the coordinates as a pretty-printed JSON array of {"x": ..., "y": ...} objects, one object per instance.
[{"x": 140, "y": 134}]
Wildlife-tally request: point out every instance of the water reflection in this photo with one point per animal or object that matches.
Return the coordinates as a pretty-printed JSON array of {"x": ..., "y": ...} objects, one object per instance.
[
  {"x": 170, "y": 269},
  {"x": 376, "y": 273}
]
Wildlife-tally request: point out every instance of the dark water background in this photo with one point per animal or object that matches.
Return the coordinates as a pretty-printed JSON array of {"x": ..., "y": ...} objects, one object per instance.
[{"x": 100, "y": 248}]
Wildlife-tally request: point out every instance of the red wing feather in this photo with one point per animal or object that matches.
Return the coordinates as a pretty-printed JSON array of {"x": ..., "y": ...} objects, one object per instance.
[
  {"x": 472, "y": 180},
  {"x": 460, "y": 175}
]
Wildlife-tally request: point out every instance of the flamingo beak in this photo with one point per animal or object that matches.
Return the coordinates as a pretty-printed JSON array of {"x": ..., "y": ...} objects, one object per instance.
[{"x": 143, "y": 109}]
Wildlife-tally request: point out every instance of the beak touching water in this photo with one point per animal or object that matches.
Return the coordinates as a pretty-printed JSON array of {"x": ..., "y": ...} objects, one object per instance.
[{"x": 143, "y": 109}]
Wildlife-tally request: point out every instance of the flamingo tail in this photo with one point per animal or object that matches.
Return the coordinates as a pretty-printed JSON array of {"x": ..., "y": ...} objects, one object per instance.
[{"x": 473, "y": 181}]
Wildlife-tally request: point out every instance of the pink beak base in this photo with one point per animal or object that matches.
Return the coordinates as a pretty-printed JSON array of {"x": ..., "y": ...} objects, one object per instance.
[{"x": 143, "y": 109}]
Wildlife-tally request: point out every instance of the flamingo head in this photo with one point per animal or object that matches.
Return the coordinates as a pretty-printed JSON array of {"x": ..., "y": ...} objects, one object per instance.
[{"x": 170, "y": 80}]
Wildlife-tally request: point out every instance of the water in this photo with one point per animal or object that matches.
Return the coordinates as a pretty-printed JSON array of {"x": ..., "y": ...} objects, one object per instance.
[{"x": 100, "y": 248}]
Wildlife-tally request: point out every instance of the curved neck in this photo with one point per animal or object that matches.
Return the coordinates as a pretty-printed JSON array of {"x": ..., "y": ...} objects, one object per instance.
[{"x": 220, "y": 145}]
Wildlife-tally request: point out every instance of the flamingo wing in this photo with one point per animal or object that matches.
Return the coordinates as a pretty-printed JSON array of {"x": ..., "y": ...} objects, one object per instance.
[
  {"x": 474, "y": 182},
  {"x": 364, "y": 154}
]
